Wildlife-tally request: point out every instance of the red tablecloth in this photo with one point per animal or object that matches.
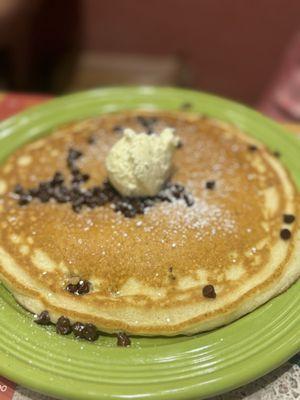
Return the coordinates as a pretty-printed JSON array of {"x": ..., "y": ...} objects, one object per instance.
[{"x": 12, "y": 103}]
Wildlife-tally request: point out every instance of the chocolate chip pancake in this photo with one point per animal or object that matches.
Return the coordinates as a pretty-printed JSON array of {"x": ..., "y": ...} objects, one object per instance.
[{"x": 219, "y": 240}]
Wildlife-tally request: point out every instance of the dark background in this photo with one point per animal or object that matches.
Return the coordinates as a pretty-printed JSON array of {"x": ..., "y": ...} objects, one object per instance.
[{"x": 230, "y": 47}]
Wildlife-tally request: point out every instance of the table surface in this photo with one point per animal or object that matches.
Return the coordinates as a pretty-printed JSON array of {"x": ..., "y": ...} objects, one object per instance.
[{"x": 281, "y": 384}]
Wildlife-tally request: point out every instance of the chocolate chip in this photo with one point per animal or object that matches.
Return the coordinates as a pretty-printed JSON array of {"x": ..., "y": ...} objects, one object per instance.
[
  {"x": 123, "y": 340},
  {"x": 177, "y": 190},
  {"x": 71, "y": 287},
  {"x": 100, "y": 199},
  {"x": 129, "y": 213},
  {"x": 79, "y": 177},
  {"x": 252, "y": 147},
  {"x": 209, "y": 292},
  {"x": 82, "y": 287},
  {"x": 210, "y": 185},
  {"x": 138, "y": 205},
  {"x": 186, "y": 106},
  {"x": 85, "y": 177},
  {"x": 76, "y": 192},
  {"x": 57, "y": 179},
  {"x": 125, "y": 208},
  {"x": 74, "y": 154},
  {"x": 78, "y": 330},
  {"x": 89, "y": 199},
  {"x": 76, "y": 208},
  {"x": 118, "y": 129},
  {"x": 61, "y": 194},
  {"x": 24, "y": 199},
  {"x": 171, "y": 275},
  {"x": 188, "y": 200},
  {"x": 276, "y": 154},
  {"x": 288, "y": 218},
  {"x": 77, "y": 197},
  {"x": 18, "y": 189},
  {"x": 43, "y": 318},
  {"x": 74, "y": 170},
  {"x": 90, "y": 332},
  {"x": 91, "y": 139},
  {"x": 85, "y": 331},
  {"x": 109, "y": 191},
  {"x": 44, "y": 186},
  {"x": 96, "y": 191},
  {"x": 95, "y": 198},
  {"x": 78, "y": 201},
  {"x": 44, "y": 195},
  {"x": 285, "y": 234},
  {"x": 147, "y": 122},
  {"x": 34, "y": 192},
  {"x": 63, "y": 326},
  {"x": 179, "y": 144}
]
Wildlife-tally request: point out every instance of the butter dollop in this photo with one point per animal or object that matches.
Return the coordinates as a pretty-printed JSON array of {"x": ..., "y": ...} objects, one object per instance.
[{"x": 139, "y": 164}]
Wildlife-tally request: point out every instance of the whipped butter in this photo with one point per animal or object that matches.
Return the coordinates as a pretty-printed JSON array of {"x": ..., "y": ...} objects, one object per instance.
[{"x": 139, "y": 164}]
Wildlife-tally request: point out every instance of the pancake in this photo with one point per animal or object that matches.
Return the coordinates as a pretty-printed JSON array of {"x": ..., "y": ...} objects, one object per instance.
[{"x": 180, "y": 267}]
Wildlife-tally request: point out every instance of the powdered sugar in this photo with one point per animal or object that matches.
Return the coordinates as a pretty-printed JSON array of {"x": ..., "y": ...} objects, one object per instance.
[{"x": 201, "y": 216}]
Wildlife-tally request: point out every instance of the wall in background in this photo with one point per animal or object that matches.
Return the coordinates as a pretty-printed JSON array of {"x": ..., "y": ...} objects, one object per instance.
[{"x": 232, "y": 46}]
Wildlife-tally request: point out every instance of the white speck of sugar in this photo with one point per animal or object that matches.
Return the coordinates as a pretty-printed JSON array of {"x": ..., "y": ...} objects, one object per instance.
[
  {"x": 139, "y": 223},
  {"x": 250, "y": 177},
  {"x": 253, "y": 250}
]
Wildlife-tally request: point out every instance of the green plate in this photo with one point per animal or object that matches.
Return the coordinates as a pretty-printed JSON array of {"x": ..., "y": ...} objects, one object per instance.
[{"x": 155, "y": 368}]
